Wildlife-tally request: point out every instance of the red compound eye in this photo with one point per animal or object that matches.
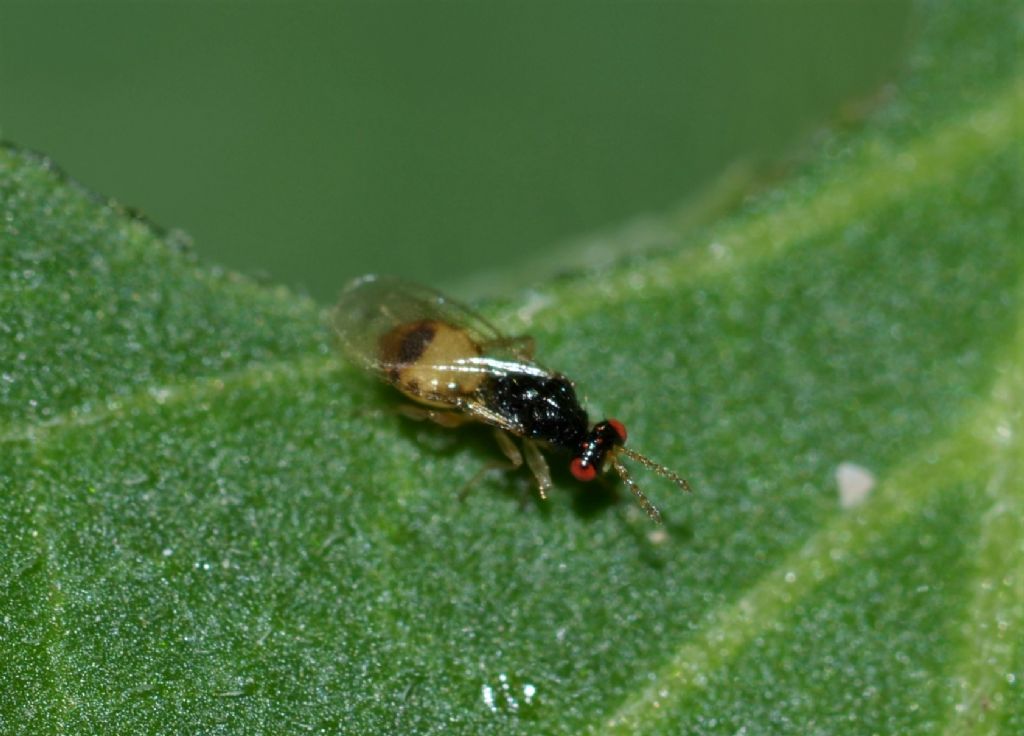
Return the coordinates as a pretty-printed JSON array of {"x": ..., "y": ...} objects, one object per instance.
[
  {"x": 619, "y": 427},
  {"x": 582, "y": 472}
]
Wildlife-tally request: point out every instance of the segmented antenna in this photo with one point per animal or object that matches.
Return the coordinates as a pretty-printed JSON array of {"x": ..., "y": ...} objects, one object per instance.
[
  {"x": 645, "y": 504},
  {"x": 659, "y": 469}
]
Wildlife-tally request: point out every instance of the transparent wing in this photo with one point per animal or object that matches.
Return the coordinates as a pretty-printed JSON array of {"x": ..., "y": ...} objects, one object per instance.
[
  {"x": 372, "y": 307},
  {"x": 482, "y": 413}
]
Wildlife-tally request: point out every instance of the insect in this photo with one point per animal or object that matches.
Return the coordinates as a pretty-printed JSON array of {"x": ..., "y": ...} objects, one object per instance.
[{"x": 457, "y": 368}]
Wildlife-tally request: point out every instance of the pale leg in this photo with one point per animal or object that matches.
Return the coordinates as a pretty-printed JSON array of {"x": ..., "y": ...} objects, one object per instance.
[
  {"x": 539, "y": 466},
  {"x": 509, "y": 449}
]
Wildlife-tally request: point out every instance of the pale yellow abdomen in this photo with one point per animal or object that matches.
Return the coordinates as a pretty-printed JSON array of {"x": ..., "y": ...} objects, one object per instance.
[{"x": 430, "y": 361}]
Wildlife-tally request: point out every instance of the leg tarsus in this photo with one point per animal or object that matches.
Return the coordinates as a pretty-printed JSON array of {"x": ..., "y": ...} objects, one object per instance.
[
  {"x": 509, "y": 449},
  {"x": 539, "y": 466}
]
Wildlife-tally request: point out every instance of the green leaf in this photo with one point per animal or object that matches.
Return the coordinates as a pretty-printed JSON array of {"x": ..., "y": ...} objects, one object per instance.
[{"x": 210, "y": 526}]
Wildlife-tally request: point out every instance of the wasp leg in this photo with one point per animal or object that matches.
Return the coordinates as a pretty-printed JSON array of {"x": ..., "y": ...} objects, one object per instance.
[
  {"x": 508, "y": 448},
  {"x": 444, "y": 418},
  {"x": 539, "y": 466}
]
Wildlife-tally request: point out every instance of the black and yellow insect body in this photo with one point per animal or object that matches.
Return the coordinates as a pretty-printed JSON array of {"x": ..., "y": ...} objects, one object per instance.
[{"x": 456, "y": 368}]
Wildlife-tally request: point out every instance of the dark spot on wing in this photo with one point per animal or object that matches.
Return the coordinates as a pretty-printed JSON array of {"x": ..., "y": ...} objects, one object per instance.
[
  {"x": 404, "y": 345},
  {"x": 415, "y": 342}
]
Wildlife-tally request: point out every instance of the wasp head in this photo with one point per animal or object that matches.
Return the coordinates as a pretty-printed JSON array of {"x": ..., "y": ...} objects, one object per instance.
[{"x": 603, "y": 439}]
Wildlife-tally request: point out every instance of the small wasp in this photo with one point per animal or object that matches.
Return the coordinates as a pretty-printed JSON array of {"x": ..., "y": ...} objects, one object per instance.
[{"x": 458, "y": 368}]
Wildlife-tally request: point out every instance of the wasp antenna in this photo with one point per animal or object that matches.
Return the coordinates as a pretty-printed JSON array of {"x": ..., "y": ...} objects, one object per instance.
[
  {"x": 659, "y": 469},
  {"x": 645, "y": 504}
]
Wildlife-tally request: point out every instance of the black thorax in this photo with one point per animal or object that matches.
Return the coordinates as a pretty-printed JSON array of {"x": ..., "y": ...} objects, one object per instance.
[{"x": 545, "y": 407}]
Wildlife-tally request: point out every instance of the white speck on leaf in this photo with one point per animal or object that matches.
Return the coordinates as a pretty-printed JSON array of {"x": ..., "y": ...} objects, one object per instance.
[{"x": 855, "y": 484}]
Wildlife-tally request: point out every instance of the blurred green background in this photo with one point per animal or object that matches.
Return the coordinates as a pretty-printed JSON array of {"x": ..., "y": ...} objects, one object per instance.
[{"x": 306, "y": 143}]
